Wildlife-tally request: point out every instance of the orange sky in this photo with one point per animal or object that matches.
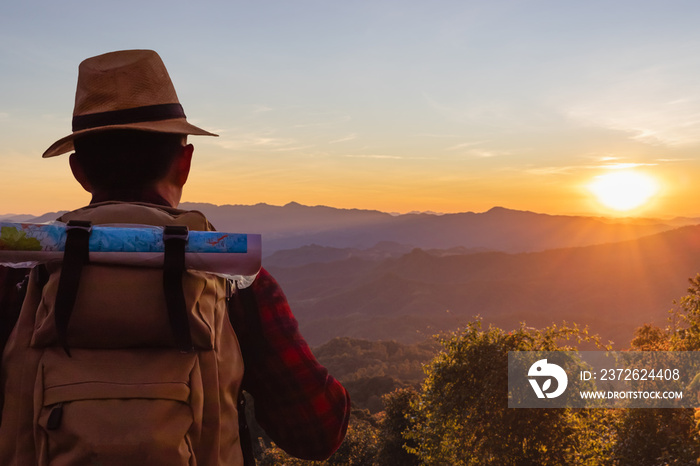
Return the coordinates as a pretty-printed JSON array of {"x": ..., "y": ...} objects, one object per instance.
[
  {"x": 47, "y": 185},
  {"x": 380, "y": 105}
]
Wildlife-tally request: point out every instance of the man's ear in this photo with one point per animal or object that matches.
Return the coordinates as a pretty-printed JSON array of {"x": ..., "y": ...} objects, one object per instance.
[
  {"x": 183, "y": 164},
  {"x": 78, "y": 173}
]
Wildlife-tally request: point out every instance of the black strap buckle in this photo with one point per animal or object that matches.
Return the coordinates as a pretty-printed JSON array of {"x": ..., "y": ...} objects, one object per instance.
[
  {"x": 80, "y": 225},
  {"x": 176, "y": 232}
]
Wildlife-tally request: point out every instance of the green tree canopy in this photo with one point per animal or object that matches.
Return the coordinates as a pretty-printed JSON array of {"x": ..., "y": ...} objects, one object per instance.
[{"x": 462, "y": 412}]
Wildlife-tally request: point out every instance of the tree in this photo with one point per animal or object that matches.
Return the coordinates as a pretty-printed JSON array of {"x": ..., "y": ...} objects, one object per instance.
[
  {"x": 664, "y": 436},
  {"x": 359, "y": 448},
  {"x": 463, "y": 416},
  {"x": 399, "y": 418},
  {"x": 649, "y": 337},
  {"x": 656, "y": 437},
  {"x": 684, "y": 329},
  {"x": 361, "y": 443}
]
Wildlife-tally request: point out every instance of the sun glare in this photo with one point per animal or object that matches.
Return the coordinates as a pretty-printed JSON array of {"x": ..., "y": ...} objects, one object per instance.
[{"x": 623, "y": 190}]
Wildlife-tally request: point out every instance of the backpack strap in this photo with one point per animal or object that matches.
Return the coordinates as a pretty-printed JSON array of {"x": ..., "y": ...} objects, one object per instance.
[
  {"x": 175, "y": 240},
  {"x": 75, "y": 256}
]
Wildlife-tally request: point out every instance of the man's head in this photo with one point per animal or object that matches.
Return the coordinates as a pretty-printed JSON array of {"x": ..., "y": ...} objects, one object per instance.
[
  {"x": 129, "y": 128},
  {"x": 118, "y": 163}
]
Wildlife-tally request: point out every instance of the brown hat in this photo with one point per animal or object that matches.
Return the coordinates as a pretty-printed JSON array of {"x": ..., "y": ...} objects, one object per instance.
[{"x": 129, "y": 89}]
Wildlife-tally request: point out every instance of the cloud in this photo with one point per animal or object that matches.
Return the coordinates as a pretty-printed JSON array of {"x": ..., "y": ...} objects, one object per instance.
[
  {"x": 384, "y": 156},
  {"x": 551, "y": 170},
  {"x": 257, "y": 141},
  {"x": 567, "y": 169},
  {"x": 485, "y": 154},
  {"x": 436, "y": 135},
  {"x": 475, "y": 152},
  {"x": 625, "y": 165},
  {"x": 672, "y": 160},
  {"x": 655, "y": 106},
  {"x": 321, "y": 119},
  {"x": 465, "y": 145},
  {"x": 373, "y": 156},
  {"x": 493, "y": 112},
  {"x": 349, "y": 137},
  {"x": 658, "y": 130},
  {"x": 262, "y": 109}
]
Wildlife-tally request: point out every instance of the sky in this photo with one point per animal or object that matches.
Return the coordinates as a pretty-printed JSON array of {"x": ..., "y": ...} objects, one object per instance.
[{"x": 398, "y": 106}]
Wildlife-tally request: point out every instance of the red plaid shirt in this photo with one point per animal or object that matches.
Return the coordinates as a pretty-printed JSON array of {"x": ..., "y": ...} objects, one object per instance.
[{"x": 303, "y": 409}]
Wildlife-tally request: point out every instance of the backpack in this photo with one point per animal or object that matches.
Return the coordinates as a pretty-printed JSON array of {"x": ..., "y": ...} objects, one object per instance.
[{"x": 121, "y": 365}]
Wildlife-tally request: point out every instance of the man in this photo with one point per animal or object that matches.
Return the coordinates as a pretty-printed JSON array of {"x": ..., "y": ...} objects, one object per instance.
[{"x": 131, "y": 153}]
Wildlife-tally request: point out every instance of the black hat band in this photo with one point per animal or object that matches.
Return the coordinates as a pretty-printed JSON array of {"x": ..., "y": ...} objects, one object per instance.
[{"x": 128, "y": 115}]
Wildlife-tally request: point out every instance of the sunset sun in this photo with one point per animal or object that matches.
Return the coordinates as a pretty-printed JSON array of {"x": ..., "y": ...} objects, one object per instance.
[{"x": 623, "y": 190}]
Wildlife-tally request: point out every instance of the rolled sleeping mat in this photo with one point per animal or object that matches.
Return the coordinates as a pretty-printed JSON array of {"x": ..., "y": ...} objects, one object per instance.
[{"x": 229, "y": 254}]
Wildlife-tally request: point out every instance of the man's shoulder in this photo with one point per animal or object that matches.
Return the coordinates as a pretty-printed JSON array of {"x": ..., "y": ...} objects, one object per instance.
[{"x": 138, "y": 213}]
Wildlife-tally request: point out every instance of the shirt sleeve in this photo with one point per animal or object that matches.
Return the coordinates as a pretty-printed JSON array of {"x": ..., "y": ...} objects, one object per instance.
[{"x": 303, "y": 409}]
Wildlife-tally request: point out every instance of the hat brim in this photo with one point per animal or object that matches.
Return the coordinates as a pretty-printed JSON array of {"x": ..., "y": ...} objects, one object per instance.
[{"x": 173, "y": 126}]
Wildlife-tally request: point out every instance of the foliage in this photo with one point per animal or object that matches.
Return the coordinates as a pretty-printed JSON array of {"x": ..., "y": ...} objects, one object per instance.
[
  {"x": 649, "y": 337},
  {"x": 274, "y": 456},
  {"x": 360, "y": 447},
  {"x": 366, "y": 393},
  {"x": 596, "y": 435},
  {"x": 371, "y": 369},
  {"x": 663, "y": 436},
  {"x": 462, "y": 412},
  {"x": 361, "y": 444},
  {"x": 684, "y": 329},
  {"x": 656, "y": 437},
  {"x": 399, "y": 419},
  {"x": 350, "y": 359}
]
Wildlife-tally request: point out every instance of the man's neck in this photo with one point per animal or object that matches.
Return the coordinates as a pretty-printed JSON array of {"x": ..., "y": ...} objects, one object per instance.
[{"x": 131, "y": 195}]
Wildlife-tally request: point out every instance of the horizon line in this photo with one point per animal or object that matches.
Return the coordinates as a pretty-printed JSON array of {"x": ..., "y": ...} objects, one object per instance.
[{"x": 612, "y": 217}]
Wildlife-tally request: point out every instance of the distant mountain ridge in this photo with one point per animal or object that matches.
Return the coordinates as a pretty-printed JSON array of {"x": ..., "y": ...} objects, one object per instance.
[
  {"x": 314, "y": 253},
  {"x": 295, "y": 225},
  {"x": 47, "y": 217}
]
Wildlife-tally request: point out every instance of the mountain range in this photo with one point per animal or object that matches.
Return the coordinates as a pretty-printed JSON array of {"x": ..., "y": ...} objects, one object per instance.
[
  {"x": 295, "y": 225},
  {"x": 612, "y": 288},
  {"x": 369, "y": 274}
]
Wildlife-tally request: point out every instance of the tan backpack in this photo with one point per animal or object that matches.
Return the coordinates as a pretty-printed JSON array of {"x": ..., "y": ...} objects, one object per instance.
[{"x": 119, "y": 380}]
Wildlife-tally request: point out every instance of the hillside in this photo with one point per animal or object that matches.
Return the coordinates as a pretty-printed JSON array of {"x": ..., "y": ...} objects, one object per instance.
[
  {"x": 371, "y": 369},
  {"x": 613, "y": 288}
]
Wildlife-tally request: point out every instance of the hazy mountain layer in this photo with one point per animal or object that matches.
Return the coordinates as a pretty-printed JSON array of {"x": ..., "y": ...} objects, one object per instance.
[
  {"x": 294, "y": 225},
  {"x": 613, "y": 288}
]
